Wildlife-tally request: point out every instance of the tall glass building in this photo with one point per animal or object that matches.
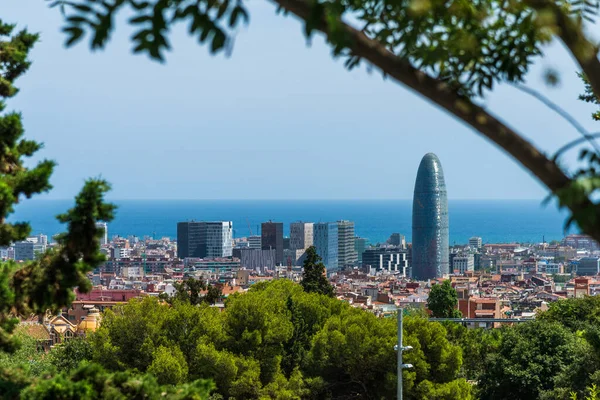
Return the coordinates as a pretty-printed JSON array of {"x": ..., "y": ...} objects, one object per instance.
[
  {"x": 325, "y": 237},
  {"x": 204, "y": 239},
  {"x": 430, "y": 258}
]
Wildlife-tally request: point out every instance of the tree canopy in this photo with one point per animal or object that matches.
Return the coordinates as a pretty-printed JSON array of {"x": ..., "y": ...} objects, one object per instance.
[
  {"x": 443, "y": 300},
  {"x": 277, "y": 341}
]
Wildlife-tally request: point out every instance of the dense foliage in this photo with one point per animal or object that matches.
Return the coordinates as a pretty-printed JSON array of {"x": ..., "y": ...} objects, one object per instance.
[
  {"x": 194, "y": 291},
  {"x": 555, "y": 357},
  {"x": 277, "y": 341},
  {"x": 314, "y": 278},
  {"x": 443, "y": 300}
]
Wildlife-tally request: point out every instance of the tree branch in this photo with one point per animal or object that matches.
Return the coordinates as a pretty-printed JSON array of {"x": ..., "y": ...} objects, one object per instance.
[
  {"x": 563, "y": 113},
  {"x": 571, "y": 33},
  {"x": 438, "y": 92}
]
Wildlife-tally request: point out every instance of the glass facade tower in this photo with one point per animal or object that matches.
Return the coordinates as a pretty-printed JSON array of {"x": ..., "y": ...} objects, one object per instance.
[
  {"x": 326, "y": 243},
  {"x": 430, "y": 258}
]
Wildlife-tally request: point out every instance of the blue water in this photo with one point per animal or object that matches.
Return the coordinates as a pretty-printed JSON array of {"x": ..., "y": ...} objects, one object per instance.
[{"x": 494, "y": 221}]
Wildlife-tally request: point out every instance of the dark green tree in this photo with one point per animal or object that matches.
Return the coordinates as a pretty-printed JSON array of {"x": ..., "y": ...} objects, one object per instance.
[
  {"x": 190, "y": 291},
  {"x": 443, "y": 300},
  {"x": 68, "y": 355},
  {"x": 538, "y": 360},
  {"x": 46, "y": 283},
  {"x": 91, "y": 382},
  {"x": 314, "y": 279}
]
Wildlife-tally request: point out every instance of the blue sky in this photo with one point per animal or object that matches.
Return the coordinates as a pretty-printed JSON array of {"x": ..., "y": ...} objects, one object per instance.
[{"x": 278, "y": 119}]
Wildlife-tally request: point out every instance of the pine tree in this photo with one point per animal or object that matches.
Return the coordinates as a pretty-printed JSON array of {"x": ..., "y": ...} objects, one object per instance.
[
  {"x": 46, "y": 283},
  {"x": 313, "y": 277}
]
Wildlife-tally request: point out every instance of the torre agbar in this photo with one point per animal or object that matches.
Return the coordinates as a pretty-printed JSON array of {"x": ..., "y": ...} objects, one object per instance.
[{"x": 430, "y": 221}]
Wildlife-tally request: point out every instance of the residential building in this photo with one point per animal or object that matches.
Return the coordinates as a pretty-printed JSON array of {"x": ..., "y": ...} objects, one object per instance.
[
  {"x": 463, "y": 263},
  {"x": 430, "y": 221},
  {"x": 326, "y": 244},
  {"x": 484, "y": 308},
  {"x": 204, "y": 239},
  {"x": 301, "y": 235},
  {"x": 475, "y": 242},
  {"x": 582, "y": 288},
  {"x": 346, "y": 252},
  {"x": 272, "y": 238}
]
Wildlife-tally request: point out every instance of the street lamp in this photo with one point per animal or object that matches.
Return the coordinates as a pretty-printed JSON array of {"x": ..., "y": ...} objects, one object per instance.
[{"x": 402, "y": 348}]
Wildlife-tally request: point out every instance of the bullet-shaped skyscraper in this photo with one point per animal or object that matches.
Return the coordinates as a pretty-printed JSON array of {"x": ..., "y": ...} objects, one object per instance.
[{"x": 430, "y": 257}]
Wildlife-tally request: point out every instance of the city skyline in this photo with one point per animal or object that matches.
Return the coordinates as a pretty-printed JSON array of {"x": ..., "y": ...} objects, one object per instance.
[{"x": 299, "y": 91}]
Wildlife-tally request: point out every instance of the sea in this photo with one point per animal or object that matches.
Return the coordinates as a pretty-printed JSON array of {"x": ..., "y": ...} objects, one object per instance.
[{"x": 496, "y": 221}]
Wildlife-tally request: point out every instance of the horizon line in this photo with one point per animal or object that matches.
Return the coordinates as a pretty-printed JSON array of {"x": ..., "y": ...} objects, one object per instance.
[{"x": 287, "y": 199}]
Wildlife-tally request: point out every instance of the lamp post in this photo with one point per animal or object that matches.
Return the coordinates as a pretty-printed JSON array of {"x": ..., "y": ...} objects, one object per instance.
[{"x": 400, "y": 348}]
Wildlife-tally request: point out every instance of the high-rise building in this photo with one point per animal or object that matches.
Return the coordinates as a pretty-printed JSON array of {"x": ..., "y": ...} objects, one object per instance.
[
  {"x": 430, "y": 221},
  {"x": 255, "y": 259},
  {"x": 104, "y": 227},
  {"x": 360, "y": 244},
  {"x": 272, "y": 238},
  {"x": 301, "y": 235},
  {"x": 326, "y": 243},
  {"x": 204, "y": 239},
  {"x": 254, "y": 242},
  {"x": 346, "y": 252},
  {"x": 397, "y": 239},
  {"x": 475, "y": 242}
]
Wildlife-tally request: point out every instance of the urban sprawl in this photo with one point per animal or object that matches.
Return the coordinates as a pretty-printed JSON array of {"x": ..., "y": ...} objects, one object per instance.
[{"x": 496, "y": 283}]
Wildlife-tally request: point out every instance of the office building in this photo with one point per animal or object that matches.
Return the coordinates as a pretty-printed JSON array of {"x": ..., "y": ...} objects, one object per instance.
[
  {"x": 255, "y": 259},
  {"x": 326, "y": 243},
  {"x": 272, "y": 238},
  {"x": 104, "y": 227},
  {"x": 346, "y": 253},
  {"x": 392, "y": 259},
  {"x": 27, "y": 250},
  {"x": 293, "y": 257},
  {"x": 588, "y": 266},
  {"x": 204, "y": 239},
  {"x": 430, "y": 221},
  {"x": 475, "y": 242},
  {"x": 397, "y": 240},
  {"x": 254, "y": 242},
  {"x": 360, "y": 244},
  {"x": 301, "y": 235},
  {"x": 463, "y": 263}
]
